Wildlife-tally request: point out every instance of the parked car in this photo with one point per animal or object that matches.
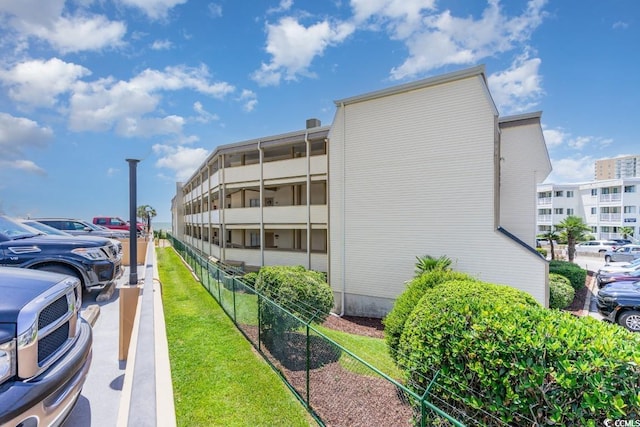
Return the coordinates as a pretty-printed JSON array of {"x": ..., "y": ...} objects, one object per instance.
[
  {"x": 620, "y": 303},
  {"x": 46, "y": 229},
  {"x": 603, "y": 279},
  {"x": 45, "y": 347},
  {"x": 95, "y": 262},
  {"x": 623, "y": 253},
  {"x": 622, "y": 242},
  {"x": 80, "y": 227},
  {"x": 620, "y": 267},
  {"x": 116, "y": 223},
  {"x": 596, "y": 246}
]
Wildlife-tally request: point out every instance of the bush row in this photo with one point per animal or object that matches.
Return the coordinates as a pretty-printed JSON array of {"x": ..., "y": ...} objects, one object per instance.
[
  {"x": 561, "y": 293},
  {"x": 576, "y": 274},
  {"x": 520, "y": 359}
]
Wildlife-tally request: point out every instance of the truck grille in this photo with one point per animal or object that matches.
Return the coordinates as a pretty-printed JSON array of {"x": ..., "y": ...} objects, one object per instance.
[
  {"x": 52, "y": 342},
  {"x": 55, "y": 314}
]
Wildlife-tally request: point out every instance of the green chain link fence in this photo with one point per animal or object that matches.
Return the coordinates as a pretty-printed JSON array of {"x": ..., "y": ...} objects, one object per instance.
[{"x": 336, "y": 386}]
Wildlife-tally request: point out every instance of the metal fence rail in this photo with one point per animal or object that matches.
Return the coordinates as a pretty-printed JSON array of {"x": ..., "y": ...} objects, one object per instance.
[{"x": 336, "y": 386}]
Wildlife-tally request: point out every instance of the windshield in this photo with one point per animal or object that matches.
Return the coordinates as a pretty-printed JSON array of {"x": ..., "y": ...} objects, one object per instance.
[{"x": 14, "y": 230}]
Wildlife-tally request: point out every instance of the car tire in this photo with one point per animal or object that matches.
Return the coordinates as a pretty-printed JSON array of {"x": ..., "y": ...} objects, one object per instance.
[
  {"x": 607, "y": 258},
  {"x": 630, "y": 320},
  {"x": 601, "y": 251}
]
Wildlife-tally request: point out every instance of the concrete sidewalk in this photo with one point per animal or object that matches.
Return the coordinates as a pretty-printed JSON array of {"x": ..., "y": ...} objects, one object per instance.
[{"x": 99, "y": 402}]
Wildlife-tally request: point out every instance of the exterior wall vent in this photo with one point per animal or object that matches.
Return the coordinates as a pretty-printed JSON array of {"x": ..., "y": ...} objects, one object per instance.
[{"x": 313, "y": 123}]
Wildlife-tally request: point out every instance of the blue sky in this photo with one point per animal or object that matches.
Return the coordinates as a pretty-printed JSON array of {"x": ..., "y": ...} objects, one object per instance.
[{"x": 86, "y": 84}]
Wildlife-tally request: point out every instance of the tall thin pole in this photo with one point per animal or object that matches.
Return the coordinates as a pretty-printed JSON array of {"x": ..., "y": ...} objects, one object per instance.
[{"x": 133, "y": 228}]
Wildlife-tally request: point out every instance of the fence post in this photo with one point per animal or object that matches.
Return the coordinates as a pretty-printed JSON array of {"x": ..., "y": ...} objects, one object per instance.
[
  {"x": 308, "y": 369},
  {"x": 233, "y": 289}
]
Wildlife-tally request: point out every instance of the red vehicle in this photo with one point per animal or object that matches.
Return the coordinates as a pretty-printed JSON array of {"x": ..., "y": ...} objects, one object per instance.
[{"x": 116, "y": 223}]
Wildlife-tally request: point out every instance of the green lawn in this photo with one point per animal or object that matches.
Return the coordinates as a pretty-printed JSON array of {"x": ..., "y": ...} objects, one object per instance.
[{"x": 218, "y": 379}]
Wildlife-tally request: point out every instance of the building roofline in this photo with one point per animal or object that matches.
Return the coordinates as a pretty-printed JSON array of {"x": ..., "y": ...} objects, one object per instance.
[
  {"x": 520, "y": 117},
  {"x": 478, "y": 70}
]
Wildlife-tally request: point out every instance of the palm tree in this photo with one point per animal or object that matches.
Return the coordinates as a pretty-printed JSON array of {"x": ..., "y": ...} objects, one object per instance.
[
  {"x": 429, "y": 263},
  {"x": 551, "y": 236},
  {"x": 146, "y": 212},
  {"x": 625, "y": 232},
  {"x": 573, "y": 229}
]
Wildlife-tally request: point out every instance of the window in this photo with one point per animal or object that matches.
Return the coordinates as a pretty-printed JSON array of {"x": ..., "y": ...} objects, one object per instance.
[
  {"x": 629, "y": 188},
  {"x": 593, "y": 211},
  {"x": 558, "y": 211},
  {"x": 254, "y": 237},
  {"x": 254, "y": 203},
  {"x": 569, "y": 193},
  {"x": 630, "y": 209},
  {"x": 569, "y": 211},
  {"x": 594, "y": 191},
  {"x": 558, "y": 193}
]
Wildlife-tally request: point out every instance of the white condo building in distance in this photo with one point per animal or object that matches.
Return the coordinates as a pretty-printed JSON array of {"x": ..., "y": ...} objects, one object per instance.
[
  {"x": 424, "y": 168},
  {"x": 605, "y": 205}
]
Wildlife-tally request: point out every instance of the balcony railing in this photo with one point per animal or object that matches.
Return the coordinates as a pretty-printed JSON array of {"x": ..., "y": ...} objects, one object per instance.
[
  {"x": 610, "y": 217},
  {"x": 613, "y": 197}
]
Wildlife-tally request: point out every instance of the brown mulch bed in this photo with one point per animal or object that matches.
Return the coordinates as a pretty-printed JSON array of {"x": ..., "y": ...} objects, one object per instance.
[
  {"x": 341, "y": 391},
  {"x": 581, "y": 296}
]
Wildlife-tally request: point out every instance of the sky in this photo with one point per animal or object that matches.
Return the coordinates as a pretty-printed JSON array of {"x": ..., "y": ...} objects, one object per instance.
[{"x": 87, "y": 84}]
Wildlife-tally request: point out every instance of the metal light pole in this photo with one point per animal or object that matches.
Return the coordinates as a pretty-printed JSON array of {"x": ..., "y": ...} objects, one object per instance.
[{"x": 133, "y": 229}]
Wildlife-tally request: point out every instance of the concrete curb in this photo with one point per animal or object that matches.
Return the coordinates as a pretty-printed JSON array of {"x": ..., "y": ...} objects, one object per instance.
[
  {"x": 91, "y": 313},
  {"x": 106, "y": 293}
]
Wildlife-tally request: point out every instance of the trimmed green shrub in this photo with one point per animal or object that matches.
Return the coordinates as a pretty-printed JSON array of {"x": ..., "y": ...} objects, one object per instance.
[
  {"x": 406, "y": 302},
  {"x": 498, "y": 352},
  {"x": 250, "y": 279},
  {"x": 304, "y": 293},
  {"x": 561, "y": 293},
  {"x": 542, "y": 252},
  {"x": 576, "y": 274}
]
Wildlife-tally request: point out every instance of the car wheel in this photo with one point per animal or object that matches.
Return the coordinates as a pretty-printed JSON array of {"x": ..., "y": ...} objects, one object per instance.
[
  {"x": 601, "y": 251},
  {"x": 630, "y": 320},
  {"x": 607, "y": 258}
]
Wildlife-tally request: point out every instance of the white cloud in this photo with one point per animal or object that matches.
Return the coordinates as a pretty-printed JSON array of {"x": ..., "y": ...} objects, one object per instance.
[
  {"x": 26, "y": 166},
  {"x": 203, "y": 115},
  {"x": 64, "y": 31},
  {"x": 154, "y": 9},
  {"x": 250, "y": 100},
  {"x": 555, "y": 137},
  {"x": 215, "y": 10},
  {"x": 161, "y": 45},
  {"x": 559, "y": 138},
  {"x": 443, "y": 39},
  {"x": 293, "y": 47},
  {"x": 518, "y": 88},
  {"x": 112, "y": 171},
  {"x": 620, "y": 25},
  {"x": 39, "y": 82},
  {"x": 18, "y": 133},
  {"x": 402, "y": 17},
  {"x": 282, "y": 7},
  {"x": 571, "y": 170},
  {"x": 183, "y": 161},
  {"x": 106, "y": 103}
]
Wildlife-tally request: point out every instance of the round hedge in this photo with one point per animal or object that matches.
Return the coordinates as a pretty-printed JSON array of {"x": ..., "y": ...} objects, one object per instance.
[
  {"x": 519, "y": 359},
  {"x": 406, "y": 302},
  {"x": 576, "y": 274},
  {"x": 561, "y": 294}
]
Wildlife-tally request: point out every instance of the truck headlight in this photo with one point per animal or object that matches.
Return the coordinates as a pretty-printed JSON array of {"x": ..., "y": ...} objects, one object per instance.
[
  {"x": 7, "y": 360},
  {"x": 93, "y": 254}
]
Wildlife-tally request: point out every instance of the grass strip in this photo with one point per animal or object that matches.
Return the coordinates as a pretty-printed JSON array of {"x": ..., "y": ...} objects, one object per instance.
[{"x": 218, "y": 379}]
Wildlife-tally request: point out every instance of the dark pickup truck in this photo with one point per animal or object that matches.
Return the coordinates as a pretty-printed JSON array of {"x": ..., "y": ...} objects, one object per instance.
[
  {"x": 96, "y": 262},
  {"x": 45, "y": 347}
]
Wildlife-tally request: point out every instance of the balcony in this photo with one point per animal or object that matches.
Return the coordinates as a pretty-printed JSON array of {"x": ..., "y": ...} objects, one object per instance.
[
  {"x": 544, "y": 219},
  {"x": 610, "y": 198},
  {"x": 611, "y": 217},
  {"x": 544, "y": 201}
]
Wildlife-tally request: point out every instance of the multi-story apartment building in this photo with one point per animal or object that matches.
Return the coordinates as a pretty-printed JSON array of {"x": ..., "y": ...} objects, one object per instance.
[
  {"x": 424, "y": 168},
  {"x": 605, "y": 205},
  {"x": 618, "y": 167}
]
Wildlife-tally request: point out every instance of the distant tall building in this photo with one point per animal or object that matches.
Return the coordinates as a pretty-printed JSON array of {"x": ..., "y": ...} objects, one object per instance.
[{"x": 618, "y": 167}]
